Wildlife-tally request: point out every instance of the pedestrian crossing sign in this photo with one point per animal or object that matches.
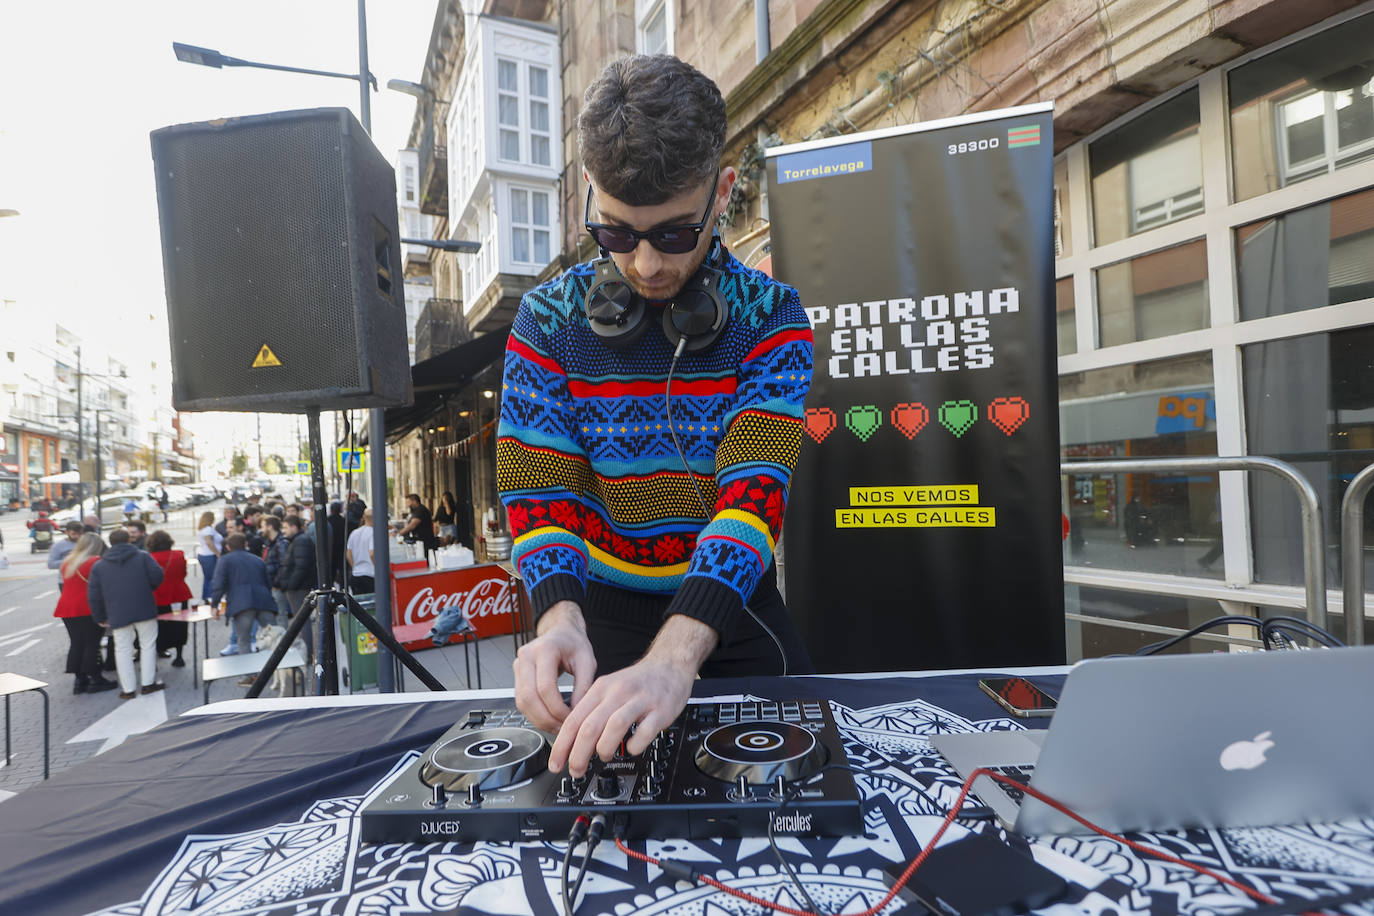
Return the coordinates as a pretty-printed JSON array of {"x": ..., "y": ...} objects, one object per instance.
[
  {"x": 302, "y": 467},
  {"x": 350, "y": 460}
]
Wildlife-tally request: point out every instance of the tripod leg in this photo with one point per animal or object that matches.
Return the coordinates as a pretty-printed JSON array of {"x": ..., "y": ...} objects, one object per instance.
[
  {"x": 293, "y": 629},
  {"x": 393, "y": 646},
  {"x": 329, "y": 661}
]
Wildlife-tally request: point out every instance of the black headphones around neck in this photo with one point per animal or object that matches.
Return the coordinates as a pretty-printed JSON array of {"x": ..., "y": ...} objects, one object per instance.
[{"x": 696, "y": 315}]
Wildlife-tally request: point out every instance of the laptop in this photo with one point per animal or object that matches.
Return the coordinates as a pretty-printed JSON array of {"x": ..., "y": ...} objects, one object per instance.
[{"x": 1169, "y": 742}]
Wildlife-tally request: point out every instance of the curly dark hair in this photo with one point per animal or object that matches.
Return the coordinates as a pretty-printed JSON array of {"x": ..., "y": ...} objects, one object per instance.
[{"x": 651, "y": 127}]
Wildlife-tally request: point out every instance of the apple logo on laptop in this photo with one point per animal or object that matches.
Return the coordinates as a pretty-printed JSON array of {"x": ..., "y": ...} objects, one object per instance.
[{"x": 1246, "y": 755}]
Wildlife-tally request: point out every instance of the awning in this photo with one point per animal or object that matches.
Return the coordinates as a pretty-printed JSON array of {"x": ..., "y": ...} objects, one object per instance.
[
  {"x": 64, "y": 477},
  {"x": 436, "y": 379}
]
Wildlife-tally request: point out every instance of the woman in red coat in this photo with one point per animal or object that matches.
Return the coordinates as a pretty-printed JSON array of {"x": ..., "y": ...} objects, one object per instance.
[
  {"x": 83, "y": 633},
  {"x": 171, "y": 634}
]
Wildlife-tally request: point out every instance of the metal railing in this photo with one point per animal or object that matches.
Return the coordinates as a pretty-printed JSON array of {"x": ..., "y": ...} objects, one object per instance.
[
  {"x": 1352, "y": 554},
  {"x": 1313, "y": 536}
]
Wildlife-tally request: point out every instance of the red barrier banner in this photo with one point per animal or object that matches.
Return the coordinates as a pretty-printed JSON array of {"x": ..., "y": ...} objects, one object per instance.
[{"x": 484, "y": 593}]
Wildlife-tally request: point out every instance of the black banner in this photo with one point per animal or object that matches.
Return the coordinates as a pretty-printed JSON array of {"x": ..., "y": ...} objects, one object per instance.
[{"x": 923, "y": 526}]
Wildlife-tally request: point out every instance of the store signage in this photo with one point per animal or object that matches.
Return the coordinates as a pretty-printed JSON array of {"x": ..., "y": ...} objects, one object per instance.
[
  {"x": 483, "y": 594},
  {"x": 924, "y": 515},
  {"x": 1181, "y": 413}
]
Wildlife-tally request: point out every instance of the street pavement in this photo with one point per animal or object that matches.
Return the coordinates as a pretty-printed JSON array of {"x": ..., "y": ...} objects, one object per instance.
[{"x": 34, "y": 643}]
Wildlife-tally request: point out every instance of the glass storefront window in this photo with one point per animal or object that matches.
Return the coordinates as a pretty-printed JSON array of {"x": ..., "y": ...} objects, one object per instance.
[
  {"x": 1142, "y": 522},
  {"x": 1305, "y": 110},
  {"x": 1063, "y": 237},
  {"x": 1147, "y": 173},
  {"x": 1308, "y": 401},
  {"x": 1102, "y": 639},
  {"x": 1154, "y": 295},
  {"x": 1063, "y": 316},
  {"x": 1316, "y": 256}
]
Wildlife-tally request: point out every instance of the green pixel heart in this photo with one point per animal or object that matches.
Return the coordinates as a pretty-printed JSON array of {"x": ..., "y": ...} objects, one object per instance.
[
  {"x": 863, "y": 420},
  {"x": 958, "y": 416}
]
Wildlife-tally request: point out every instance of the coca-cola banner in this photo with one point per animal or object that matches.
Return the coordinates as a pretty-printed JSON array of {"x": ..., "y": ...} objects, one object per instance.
[
  {"x": 483, "y": 593},
  {"x": 923, "y": 523}
]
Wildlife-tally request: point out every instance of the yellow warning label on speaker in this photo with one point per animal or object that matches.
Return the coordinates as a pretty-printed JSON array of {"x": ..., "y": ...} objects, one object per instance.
[{"x": 266, "y": 358}]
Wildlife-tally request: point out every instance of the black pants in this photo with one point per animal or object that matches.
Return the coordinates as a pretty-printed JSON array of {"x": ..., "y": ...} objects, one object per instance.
[
  {"x": 362, "y": 585},
  {"x": 171, "y": 634},
  {"x": 83, "y": 648},
  {"x": 620, "y": 639}
]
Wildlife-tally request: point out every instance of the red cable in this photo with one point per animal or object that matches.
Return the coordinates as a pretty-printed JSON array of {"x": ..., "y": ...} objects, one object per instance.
[{"x": 934, "y": 841}]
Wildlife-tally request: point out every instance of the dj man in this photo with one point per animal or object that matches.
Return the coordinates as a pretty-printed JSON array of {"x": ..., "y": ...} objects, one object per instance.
[{"x": 642, "y": 576}]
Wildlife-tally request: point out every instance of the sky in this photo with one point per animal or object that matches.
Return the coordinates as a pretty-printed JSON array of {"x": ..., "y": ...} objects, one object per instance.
[{"x": 83, "y": 83}]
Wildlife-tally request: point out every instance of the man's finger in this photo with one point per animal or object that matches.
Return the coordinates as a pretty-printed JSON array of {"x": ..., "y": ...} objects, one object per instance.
[
  {"x": 583, "y": 668},
  {"x": 588, "y": 734},
  {"x": 547, "y": 668},
  {"x": 567, "y": 736}
]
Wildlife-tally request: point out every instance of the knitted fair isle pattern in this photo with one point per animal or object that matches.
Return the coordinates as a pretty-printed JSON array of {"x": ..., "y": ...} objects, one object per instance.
[{"x": 592, "y": 484}]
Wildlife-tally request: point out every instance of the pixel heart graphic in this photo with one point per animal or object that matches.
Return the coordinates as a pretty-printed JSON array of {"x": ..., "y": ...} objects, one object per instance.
[
  {"x": 910, "y": 418},
  {"x": 958, "y": 416},
  {"x": 820, "y": 422},
  {"x": 1007, "y": 414},
  {"x": 863, "y": 420}
]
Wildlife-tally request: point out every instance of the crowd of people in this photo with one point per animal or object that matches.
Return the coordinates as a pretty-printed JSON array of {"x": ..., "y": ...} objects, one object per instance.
[{"x": 257, "y": 567}]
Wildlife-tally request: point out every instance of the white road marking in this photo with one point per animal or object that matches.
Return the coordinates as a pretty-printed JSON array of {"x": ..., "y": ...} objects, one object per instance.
[
  {"x": 8, "y": 610},
  {"x": 10, "y": 638},
  {"x": 48, "y": 594},
  {"x": 4, "y": 795},
  {"x": 28, "y": 645},
  {"x": 130, "y": 717}
]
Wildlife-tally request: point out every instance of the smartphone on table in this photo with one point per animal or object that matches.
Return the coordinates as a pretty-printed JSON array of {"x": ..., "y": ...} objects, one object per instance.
[{"x": 1018, "y": 696}]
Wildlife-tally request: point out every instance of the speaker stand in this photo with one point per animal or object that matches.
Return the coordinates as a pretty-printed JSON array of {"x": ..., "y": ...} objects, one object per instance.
[{"x": 330, "y": 600}]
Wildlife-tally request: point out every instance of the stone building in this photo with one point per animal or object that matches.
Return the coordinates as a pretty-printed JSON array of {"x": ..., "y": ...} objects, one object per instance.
[{"x": 1214, "y": 231}]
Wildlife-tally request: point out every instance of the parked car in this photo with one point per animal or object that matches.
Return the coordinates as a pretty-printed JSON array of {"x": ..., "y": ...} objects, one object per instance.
[
  {"x": 179, "y": 497},
  {"x": 111, "y": 508}
]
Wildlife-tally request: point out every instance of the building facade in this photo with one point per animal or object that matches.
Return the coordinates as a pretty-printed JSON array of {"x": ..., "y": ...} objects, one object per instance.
[{"x": 1214, "y": 225}]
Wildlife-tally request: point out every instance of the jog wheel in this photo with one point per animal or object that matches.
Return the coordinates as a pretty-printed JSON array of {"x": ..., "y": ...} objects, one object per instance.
[
  {"x": 760, "y": 752},
  {"x": 489, "y": 758}
]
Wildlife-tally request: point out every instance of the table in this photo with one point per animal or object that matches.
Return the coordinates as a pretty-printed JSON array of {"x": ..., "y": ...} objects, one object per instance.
[
  {"x": 248, "y": 805},
  {"x": 244, "y": 664},
  {"x": 415, "y": 632},
  {"x": 201, "y": 615},
  {"x": 11, "y": 683}
]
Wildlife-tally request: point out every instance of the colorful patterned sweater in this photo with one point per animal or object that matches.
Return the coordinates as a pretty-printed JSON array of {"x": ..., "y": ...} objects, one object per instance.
[{"x": 587, "y": 470}]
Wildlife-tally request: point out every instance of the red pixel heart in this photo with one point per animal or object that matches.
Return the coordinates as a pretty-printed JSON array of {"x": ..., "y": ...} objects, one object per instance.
[
  {"x": 910, "y": 418},
  {"x": 820, "y": 422},
  {"x": 1007, "y": 414}
]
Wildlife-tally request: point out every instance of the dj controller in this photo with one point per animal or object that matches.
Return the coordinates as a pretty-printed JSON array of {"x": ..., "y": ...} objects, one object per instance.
[{"x": 720, "y": 770}]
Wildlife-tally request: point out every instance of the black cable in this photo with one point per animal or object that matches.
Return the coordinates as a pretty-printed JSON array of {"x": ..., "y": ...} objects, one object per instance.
[
  {"x": 701, "y": 497},
  {"x": 594, "y": 834},
  {"x": 1313, "y": 632},
  {"x": 790, "y": 792},
  {"x": 1224, "y": 620},
  {"x": 575, "y": 835}
]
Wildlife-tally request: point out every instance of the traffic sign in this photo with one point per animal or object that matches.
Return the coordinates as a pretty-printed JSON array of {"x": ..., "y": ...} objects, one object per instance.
[{"x": 350, "y": 460}]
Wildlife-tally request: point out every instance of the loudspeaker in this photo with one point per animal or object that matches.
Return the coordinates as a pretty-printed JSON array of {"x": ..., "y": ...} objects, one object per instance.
[{"x": 282, "y": 260}]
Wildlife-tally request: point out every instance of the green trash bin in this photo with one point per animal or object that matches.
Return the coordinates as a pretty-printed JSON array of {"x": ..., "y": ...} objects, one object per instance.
[{"x": 361, "y": 647}]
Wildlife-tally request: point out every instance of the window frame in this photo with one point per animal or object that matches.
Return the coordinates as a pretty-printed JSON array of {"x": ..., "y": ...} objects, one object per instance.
[
  {"x": 645, "y": 10},
  {"x": 1217, "y": 223}
]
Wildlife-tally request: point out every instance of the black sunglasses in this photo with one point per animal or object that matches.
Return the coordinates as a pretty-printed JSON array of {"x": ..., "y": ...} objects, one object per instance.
[{"x": 667, "y": 239}]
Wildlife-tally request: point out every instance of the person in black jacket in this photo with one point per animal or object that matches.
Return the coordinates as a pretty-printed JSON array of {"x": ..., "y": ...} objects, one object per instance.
[
  {"x": 242, "y": 578},
  {"x": 338, "y": 539},
  {"x": 297, "y": 574},
  {"x": 353, "y": 512},
  {"x": 274, "y": 555},
  {"x": 121, "y": 597}
]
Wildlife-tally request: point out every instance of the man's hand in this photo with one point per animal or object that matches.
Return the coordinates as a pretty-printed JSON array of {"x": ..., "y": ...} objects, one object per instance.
[
  {"x": 560, "y": 646},
  {"x": 650, "y": 694}
]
